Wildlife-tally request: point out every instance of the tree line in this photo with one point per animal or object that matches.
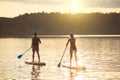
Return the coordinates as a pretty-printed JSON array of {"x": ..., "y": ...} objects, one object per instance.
[{"x": 62, "y": 24}]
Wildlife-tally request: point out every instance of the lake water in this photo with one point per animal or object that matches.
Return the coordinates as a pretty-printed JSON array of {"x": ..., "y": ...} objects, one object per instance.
[{"x": 100, "y": 56}]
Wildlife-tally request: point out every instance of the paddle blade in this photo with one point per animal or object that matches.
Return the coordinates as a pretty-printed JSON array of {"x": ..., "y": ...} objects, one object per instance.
[
  {"x": 20, "y": 56},
  {"x": 59, "y": 64}
]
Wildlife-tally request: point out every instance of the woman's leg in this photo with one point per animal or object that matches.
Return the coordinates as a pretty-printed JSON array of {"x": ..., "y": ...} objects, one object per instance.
[
  {"x": 71, "y": 54},
  {"x": 75, "y": 53}
]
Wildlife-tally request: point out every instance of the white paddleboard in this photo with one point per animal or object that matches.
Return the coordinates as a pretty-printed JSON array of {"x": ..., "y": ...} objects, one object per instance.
[
  {"x": 36, "y": 63},
  {"x": 74, "y": 67}
]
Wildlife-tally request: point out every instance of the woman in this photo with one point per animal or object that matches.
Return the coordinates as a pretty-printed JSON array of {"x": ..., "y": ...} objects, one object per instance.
[{"x": 73, "y": 48}]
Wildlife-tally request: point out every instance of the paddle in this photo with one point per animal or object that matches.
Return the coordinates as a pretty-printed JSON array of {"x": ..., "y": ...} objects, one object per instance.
[
  {"x": 61, "y": 57},
  {"x": 20, "y": 56}
]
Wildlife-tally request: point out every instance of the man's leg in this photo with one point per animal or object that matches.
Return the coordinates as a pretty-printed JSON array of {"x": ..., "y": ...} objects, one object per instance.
[
  {"x": 38, "y": 56},
  {"x": 33, "y": 56}
]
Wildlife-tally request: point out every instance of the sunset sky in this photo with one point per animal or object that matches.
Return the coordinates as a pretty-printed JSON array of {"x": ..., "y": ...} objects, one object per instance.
[{"x": 12, "y": 8}]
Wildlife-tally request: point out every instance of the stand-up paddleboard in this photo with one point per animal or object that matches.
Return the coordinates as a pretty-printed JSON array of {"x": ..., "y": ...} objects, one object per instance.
[
  {"x": 36, "y": 63},
  {"x": 74, "y": 67}
]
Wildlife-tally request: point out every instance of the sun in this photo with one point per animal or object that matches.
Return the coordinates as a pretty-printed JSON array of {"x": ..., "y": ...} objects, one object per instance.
[{"x": 74, "y": 6}]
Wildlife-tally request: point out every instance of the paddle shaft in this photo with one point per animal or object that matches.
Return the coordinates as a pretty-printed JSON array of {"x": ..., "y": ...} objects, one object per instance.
[
  {"x": 26, "y": 51},
  {"x": 63, "y": 54}
]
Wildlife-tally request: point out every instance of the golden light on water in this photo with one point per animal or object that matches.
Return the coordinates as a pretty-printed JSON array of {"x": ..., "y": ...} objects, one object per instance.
[{"x": 80, "y": 57}]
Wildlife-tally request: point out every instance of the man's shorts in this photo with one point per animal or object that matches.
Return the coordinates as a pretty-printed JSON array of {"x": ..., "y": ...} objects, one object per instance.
[{"x": 35, "y": 48}]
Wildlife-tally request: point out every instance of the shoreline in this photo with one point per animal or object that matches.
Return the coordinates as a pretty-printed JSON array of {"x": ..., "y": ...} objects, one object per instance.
[{"x": 62, "y": 36}]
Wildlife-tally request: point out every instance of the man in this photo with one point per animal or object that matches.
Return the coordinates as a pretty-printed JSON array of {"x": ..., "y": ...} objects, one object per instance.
[
  {"x": 72, "y": 41},
  {"x": 35, "y": 46}
]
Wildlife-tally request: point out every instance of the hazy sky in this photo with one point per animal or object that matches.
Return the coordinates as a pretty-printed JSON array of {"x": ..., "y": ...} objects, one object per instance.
[{"x": 12, "y": 8}]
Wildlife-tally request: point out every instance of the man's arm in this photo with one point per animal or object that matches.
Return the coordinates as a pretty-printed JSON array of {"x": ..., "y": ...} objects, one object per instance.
[{"x": 39, "y": 41}]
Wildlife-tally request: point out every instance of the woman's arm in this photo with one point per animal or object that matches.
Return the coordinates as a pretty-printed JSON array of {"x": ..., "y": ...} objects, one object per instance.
[{"x": 67, "y": 42}]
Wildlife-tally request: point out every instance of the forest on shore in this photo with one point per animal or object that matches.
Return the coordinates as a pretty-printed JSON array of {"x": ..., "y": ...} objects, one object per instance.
[{"x": 60, "y": 24}]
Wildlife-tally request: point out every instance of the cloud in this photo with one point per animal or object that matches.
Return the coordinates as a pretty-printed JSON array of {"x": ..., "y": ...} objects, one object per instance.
[
  {"x": 101, "y": 3},
  {"x": 108, "y": 3},
  {"x": 85, "y": 3},
  {"x": 43, "y": 2}
]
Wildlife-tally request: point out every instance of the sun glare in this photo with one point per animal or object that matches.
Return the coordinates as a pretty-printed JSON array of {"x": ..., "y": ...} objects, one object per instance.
[{"x": 74, "y": 6}]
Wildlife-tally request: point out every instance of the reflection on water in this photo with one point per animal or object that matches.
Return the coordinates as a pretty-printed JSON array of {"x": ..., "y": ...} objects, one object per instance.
[
  {"x": 73, "y": 75},
  {"x": 35, "y": 72},
  {"x": 100, "y": 56}
]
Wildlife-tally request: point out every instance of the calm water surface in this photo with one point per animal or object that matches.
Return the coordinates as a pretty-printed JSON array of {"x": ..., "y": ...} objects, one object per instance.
[{"x": 100, "y": 56}]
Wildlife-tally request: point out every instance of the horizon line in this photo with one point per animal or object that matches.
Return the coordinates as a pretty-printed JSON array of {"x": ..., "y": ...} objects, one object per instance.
[{"x": 60, "y": 13}]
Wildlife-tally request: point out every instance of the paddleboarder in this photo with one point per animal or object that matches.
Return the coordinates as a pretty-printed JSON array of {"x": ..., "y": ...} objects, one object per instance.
[
  {"x": 35, "y": 46},
  {"x": 73, "y": 47}
]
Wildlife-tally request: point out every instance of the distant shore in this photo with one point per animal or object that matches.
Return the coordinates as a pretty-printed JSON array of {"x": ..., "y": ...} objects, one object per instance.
[
  {"x": 61, "y": 36},
  {"x": 60, "y": 24}
]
